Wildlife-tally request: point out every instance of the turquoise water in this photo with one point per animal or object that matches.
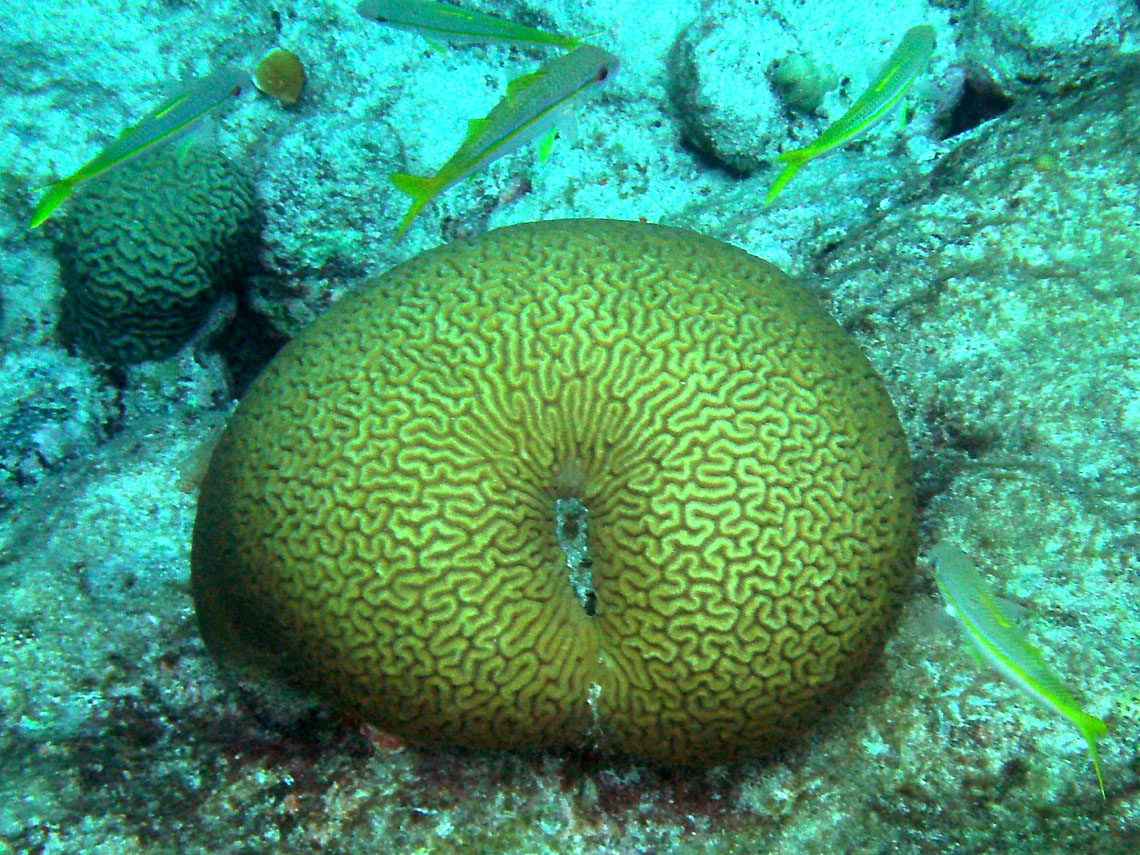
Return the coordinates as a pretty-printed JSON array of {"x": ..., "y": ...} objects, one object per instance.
[{"x": 982, "y": 253}]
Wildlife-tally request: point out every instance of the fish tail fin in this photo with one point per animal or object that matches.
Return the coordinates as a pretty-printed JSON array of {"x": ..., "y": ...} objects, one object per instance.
[
  {"x": 795, "y": 160},
  {"x": 421, "y": 190},
  {"x": 56, "y": 195},
  {"x": 1092, "y": 729}
]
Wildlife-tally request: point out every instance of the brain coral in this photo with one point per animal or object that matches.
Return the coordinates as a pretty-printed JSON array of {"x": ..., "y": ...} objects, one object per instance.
[
  {"x": 394, "y": 514},
  {"x": 145, "y": 250}
]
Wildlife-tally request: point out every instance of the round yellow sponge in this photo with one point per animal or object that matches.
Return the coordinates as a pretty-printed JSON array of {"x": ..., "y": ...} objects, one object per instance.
[{"x": 569, "y": 484}]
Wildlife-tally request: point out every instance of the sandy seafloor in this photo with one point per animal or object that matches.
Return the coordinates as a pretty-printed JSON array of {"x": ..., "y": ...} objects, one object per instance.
[{"x": 985, "y": 257}]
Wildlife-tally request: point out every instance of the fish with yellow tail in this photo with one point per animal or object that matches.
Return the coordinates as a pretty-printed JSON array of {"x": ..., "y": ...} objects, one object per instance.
[
  {"x": 533, "y": 107},
  {"x": 892, "y": 82},
  {"x": 441, "y": 22},
  {"x": 996, "y": 641},
  {"x": 165, "y": 123}
]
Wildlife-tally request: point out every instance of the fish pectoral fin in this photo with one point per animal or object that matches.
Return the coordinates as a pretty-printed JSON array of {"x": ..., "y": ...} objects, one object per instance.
[
  {"x": 567, "y": 124},
  {"x": 183, "y": 150},
  {"x": 797, "y": 156},
  {"x": 520, "y": 84},
  {"x": 546, "y": 144},
  {"x": 1008, "y": 612},
  {"x": 937, "y": 619},
  {"x": 977, "y": 656}
]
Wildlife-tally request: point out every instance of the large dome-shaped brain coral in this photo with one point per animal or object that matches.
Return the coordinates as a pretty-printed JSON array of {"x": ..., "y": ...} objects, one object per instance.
[
  {"x": 145, "y": 251},
  {"x": 567, "y": 485}
]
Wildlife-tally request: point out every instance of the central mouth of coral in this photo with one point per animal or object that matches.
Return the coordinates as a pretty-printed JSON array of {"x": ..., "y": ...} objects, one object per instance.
[{"x": 570, "y": 527}]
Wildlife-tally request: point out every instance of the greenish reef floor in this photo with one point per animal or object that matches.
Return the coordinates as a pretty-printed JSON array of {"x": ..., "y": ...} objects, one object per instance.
[{"x": 984, "y": 257}]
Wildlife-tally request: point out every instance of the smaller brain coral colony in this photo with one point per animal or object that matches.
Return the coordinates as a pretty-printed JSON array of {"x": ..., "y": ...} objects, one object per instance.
[
  {"x": 577, "y": 485},
  {"x": 145, "y": 252}
]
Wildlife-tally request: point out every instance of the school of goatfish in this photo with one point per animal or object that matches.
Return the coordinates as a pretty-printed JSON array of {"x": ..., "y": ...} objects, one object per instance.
[{"x": 533, "y": 107}]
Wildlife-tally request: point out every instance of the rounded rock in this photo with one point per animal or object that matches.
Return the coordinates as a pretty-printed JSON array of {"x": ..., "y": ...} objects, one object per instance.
[
  {"x": 738, "y": 127},
  {"x": 379, "y": 522}
]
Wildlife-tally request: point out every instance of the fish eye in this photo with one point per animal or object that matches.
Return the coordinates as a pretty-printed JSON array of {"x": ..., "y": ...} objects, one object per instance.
[{"x": 602, "y": 74}]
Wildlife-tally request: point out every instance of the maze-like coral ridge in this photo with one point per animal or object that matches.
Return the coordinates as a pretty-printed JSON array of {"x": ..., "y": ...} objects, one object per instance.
[
  {"x": 378, "y": 520},
  {"x": 146, "y": 250}
]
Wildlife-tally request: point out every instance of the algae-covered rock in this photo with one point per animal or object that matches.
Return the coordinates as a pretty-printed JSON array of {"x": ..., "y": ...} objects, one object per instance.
[
  {"x": 1007, "y": 284},
  {"x": 53, "y": 411},
  {"x": 1016, "y": 263},
  {"x": 330, "y": 215},
  {"x": 749, "y": 80},
  {"x": 1024, "y": 45},
  {"x": 734, "y": 124}
]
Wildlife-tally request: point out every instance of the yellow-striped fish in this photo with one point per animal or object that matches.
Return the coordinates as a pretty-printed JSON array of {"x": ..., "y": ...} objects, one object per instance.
[
  {"x": 903, "y": 66},
  {"x": 995, "y": 639},
  {"x": 533, "y": 106},
  {"x": 161, "y": 125},
  {"x": 442, "y": 22}
]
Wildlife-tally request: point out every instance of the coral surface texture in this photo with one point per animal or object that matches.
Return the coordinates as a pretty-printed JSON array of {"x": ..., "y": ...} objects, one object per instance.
[
  {"x": 145, "y": 252},
  {"x": 384, "y": 520}
]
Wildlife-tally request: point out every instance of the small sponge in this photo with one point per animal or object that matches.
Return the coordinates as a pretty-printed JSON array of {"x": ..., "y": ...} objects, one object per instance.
[
  {"x": 146, "y": 249},
  {"x": 399, "y": 513},
  {"x": 281, "y": 75}
]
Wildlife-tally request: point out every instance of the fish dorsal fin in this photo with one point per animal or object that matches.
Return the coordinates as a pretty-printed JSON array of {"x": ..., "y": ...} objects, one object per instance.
[
  {"x": 166, "y": 106},
  {"x": 125, "y": 133},
  {"x": 474, "y": 128},
  {"x": 445, "y": 11},
  {"x": 994, "y": 607},
  {"x": 521, "y": 84},
  {"x": 1006, "y": 612}
]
